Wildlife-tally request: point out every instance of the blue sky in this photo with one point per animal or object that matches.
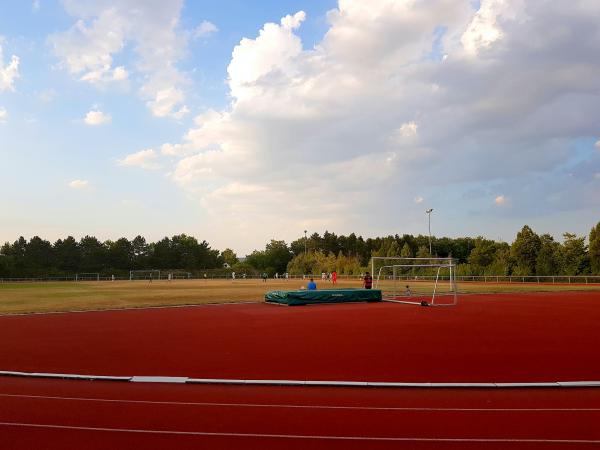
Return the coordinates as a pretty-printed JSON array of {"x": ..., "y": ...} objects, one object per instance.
[{"x": 238, "y": 122}]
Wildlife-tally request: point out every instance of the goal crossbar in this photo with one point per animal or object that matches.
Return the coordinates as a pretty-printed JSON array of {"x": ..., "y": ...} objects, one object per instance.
[{"x": 141, "y": 274}]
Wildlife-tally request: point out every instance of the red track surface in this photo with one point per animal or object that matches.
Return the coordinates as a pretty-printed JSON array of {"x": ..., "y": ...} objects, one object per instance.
[
  {"x": 533, "y": 337},
  {"x": 217, "y": 417},
  {"x": 501, "y": 338}
]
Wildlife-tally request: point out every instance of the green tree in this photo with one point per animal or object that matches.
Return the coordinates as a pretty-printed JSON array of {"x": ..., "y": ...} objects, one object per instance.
[
  {"x": 524, "y": 251},
  {"x": 39, "y": 256},
  {"x": 274, "y": 258},
  {"x": 502, "y": 260},
  {"x": 141, "y": 253},
  {"x": 594, "y": 249},
  {"x": 93, "y": 254},
  {"x": 483, "y": 253},
  {"x": 229, "y": 257},
  {"x": 120, "y": 254},
  {"x": 423, "y": 252},
  {"x": 67, "y": 254},
  {"x": 406, "y": 251},
  {"x": 548, "y": 258},
  {"x": 394, "y": 249},
  {"x": 278, "y": 255},
  {"x": 574, "y": 255}
]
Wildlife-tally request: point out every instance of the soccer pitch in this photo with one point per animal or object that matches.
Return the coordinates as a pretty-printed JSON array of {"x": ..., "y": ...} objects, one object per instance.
[{"x": 71, "y": 296}]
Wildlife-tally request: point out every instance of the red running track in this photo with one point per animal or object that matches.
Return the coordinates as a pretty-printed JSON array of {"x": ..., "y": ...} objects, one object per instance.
[
  {"x": 486, "y": 338},
  {"x": 541, "y": 337},
  {"x": 59, "y": 414}
]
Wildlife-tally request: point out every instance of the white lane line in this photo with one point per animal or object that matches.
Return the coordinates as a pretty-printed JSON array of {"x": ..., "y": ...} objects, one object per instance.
[
  {"x": 301, "y": 436},
  {"x": 284, "y": 405}
]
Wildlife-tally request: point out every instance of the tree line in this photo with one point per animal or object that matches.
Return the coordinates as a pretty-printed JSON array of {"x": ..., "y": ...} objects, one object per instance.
[
  {"x": 529, "y": 254},
  {"x": 39, "y": 257}
]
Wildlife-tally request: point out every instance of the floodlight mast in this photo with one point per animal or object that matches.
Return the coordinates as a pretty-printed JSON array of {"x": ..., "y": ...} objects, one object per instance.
[
  {"x": 305, "y": 242},
  {"x": 428, "y": 212}
]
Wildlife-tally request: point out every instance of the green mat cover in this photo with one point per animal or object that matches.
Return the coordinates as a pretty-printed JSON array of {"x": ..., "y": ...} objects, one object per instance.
[{"x": 306, "y": 297}]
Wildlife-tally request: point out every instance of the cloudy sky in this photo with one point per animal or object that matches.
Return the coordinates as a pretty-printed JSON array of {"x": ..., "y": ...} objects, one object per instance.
[{"x": 238, "y": 121}]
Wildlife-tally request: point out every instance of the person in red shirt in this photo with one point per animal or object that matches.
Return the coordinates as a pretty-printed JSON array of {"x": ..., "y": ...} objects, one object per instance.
[
  {"x": 368, "y": 281},
  {"x": 334, "y": 277}
]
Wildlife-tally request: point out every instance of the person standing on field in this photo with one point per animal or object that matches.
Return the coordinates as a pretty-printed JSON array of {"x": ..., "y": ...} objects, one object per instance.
[
  {"x": 334, "y": 277},
  {"x": 311, "y": 286},
  {"x": 368, "y": 281}
]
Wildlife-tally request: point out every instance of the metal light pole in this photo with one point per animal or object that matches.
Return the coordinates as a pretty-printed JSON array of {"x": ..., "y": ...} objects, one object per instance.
[
  {"x": 305, "y": 242},
  {"x": 428, "y": 212}
]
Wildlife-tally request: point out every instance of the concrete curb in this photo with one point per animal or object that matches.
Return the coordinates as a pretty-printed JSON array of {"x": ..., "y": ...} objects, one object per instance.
[{"x": 305, "y": 383}]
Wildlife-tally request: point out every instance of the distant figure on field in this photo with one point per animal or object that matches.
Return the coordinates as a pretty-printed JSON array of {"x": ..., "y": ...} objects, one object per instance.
[
  {"x": 264, "y": 277},
  {"x": 323, "y": 276},
  {"x": 407, "y": 291},
  {"x": 244, "y": 275},
  {"x": 276, "y": 275},
  {"x": 169, "y": 277},
  {"x": 311, "y": 286},
  {"x": 334, "y": 277},
  {"x": 287, "y": 275},
  {"x": 112, "y": 278},
  {"x": 367, "y": 281},
  {"x": 233, "y": 275}
]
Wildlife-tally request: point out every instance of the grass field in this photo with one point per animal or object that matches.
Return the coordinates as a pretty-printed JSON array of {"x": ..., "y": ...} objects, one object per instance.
[{"x": 66, "y": 296}]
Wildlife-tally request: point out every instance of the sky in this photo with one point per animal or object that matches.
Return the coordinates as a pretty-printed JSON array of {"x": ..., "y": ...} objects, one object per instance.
[{"x": 239, "y": 122}]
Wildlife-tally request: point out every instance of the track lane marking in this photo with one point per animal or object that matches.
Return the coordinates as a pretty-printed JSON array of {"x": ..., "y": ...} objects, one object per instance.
[
  {"x": 300, "y": 436},
  {"x": 283, "y": 405}
]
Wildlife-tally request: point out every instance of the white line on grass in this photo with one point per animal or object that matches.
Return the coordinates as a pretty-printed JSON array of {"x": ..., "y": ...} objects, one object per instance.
[
  {"x": 301, "y": 436},
  {"x": 285, "y": 405}
]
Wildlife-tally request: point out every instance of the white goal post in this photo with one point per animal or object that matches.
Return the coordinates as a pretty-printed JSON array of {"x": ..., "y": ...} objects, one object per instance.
[
  {"x": 93, "y": 276},
  {"x": 416, "y": 281},
  {"x": 144, "y": 274}
]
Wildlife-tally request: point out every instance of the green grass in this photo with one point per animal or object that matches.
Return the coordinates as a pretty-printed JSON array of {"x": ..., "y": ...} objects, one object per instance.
[{"x": 68, "y": 296}]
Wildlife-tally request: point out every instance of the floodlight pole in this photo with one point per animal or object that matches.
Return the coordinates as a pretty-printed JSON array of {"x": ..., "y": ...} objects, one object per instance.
[
  {"x": 428, "y": 212},
  {"x": 305, "y": 242}
]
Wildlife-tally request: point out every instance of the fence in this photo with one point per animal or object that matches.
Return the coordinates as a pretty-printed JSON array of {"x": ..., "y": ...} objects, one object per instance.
[{"x": 546, "y": 279}]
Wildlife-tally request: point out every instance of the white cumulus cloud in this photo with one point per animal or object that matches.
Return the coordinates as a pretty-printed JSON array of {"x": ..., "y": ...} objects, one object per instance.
[
  {"x": 316, "y": 134},
  {"x": 205, "y": 29},
  {"x": 97, "y": 117},
  {"x": 9, "y": 72},
  {"x": 78, "y": 184},
  {"x": 146, "y": 159},
  {"x": 103, "y": 30},
  {"x": 3, "y": 114}
]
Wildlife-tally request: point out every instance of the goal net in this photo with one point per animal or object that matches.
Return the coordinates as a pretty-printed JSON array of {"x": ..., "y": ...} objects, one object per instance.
[
  {"x": 417, "y": 281},
  {"x": 87, "y": 277},
  {"x": 144, "y": 275}
]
